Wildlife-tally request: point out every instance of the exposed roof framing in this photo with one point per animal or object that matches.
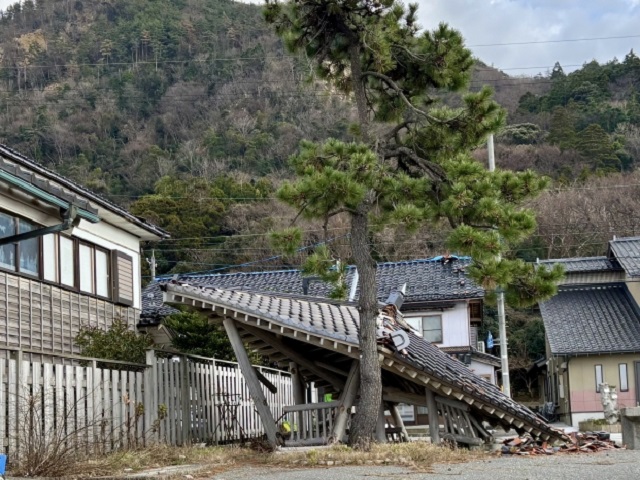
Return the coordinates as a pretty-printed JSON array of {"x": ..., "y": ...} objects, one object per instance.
[{"x": 334, "y": 328}]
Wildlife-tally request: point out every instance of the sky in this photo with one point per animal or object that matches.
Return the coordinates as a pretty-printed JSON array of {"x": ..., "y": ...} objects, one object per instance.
[{"x": 484, "y": 22}]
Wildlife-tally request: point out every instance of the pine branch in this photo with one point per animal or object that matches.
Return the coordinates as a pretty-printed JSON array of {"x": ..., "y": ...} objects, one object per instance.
[
  {"x": 435, "y": 171},
  {"x": 402, "y": 96}
]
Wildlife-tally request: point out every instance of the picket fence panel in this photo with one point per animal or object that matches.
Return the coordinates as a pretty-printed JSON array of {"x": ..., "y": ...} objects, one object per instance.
[{"x": 100, "y": 407}]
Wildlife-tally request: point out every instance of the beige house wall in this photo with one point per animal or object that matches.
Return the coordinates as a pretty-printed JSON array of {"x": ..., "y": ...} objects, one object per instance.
[
  {"x": 584, "y": 399},
  {"x": 634, "y": 288}
]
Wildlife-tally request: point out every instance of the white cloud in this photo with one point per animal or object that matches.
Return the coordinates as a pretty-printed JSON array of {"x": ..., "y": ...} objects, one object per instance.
[{"x": 517, "y": 21}]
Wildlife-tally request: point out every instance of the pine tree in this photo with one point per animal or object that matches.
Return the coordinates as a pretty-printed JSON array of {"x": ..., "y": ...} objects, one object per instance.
[{"x": 411, "y": 162}]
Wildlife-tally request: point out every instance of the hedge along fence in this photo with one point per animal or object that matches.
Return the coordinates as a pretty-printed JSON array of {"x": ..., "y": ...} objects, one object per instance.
[{"x": 52, "y": 405}]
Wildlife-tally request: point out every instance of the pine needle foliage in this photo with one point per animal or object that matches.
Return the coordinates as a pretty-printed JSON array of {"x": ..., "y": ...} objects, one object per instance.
[{"x": 410, "y": 161}]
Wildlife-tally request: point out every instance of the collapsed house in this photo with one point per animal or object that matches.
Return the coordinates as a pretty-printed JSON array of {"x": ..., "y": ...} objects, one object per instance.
[{"x": 318, "y": 340}]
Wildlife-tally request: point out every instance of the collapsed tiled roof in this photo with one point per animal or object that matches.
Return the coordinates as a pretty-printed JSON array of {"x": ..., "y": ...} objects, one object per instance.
[
  {"x": 461, "y": 353},
  {"x": 584, "y": 264},
  {"x": 433, "y": 279},
  {"x": 34, "y": 167},
  {"x": 592, "y": 319},
  {"x": 627, "y": 253},
  {"x": 339, "y": 324}
]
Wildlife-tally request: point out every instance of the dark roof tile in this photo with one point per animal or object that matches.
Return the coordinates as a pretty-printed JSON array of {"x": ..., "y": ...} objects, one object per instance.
[
  {"x": 627, "y": 252},
  {"x": 584, "y": 264},
  {"x": 427, "y": 280},
  {"x": 592, "y": 319}
]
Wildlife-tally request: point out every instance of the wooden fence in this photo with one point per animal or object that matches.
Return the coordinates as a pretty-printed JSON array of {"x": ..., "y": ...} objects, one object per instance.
[{"x": 103, "y": 405}]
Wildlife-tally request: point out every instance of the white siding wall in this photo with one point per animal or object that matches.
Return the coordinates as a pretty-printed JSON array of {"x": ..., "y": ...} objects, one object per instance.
[
  {"x": 483, "y": 370},
  {"x": 113, "y": 238},
  {"x": 102, "y": 233},
  {"x": 455, "y": 324}
]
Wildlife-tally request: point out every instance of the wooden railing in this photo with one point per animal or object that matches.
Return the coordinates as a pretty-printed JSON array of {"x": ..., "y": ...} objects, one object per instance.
[{"x": 311, "y": 424}]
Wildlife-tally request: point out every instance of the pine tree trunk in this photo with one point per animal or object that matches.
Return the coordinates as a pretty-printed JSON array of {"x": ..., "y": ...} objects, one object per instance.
[{"x": 363, "y": 427}]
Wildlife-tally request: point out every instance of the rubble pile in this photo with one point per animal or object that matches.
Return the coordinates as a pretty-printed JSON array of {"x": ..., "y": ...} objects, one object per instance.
[{"x": 588, "y": 442}]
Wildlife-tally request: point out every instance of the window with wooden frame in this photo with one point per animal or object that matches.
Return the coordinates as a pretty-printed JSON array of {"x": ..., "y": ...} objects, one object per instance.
[{"x": 122, "y": 267}]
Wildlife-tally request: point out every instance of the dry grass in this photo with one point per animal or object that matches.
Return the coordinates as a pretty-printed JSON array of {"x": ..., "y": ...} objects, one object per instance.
[{"x": 418, "y": 455}]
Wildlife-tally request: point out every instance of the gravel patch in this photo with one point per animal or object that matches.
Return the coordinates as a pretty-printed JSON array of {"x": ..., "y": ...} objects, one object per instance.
[{"x": 610, "y": 465}]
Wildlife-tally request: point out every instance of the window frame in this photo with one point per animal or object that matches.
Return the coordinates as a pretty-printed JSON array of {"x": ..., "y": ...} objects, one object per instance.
[
  {"x": 596, "y": 367},
  {"x": 439, "y": 316},
  {"x": 75, "y": 252},
  {"x": 626, "y": 376},
  {"x": 17, "y": 247}
]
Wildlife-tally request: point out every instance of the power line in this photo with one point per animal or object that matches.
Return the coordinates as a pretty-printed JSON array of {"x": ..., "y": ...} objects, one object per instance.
[{"x": 566, "y": 40}]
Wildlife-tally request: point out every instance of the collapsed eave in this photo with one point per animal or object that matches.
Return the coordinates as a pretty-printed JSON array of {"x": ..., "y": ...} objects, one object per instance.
[{"x": 484, "y": 399}]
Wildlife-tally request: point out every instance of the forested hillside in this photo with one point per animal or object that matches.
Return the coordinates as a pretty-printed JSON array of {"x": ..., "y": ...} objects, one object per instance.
[{"x": 187, "y": 110}]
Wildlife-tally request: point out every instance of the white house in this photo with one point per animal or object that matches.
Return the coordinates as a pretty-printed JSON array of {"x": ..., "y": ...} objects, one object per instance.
[{"x": 68, "y": 258}]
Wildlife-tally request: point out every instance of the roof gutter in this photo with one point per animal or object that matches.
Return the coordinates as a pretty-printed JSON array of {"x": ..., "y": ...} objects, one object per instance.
[
  {"x": 71, "y": 219},
  {"x": 46, "y": 196}
]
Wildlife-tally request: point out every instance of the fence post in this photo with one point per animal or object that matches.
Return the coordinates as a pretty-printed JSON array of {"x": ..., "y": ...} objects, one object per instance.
[
  {"x": 185, "y": 400},
  {"x": 18, "y": 400},
  {"x": 150, "y": 385},
  {"x": 216, "y": 421}
]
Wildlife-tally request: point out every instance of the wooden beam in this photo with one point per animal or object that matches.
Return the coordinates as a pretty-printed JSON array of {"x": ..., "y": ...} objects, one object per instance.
[
  {"x": 434, "y": 421},
  {"x": 395, "y": 395},
  {"x": 265, "y": 381},
  {"x": 398, "y": 422},
  {"x": 298, "y": 387},
  {"x": 294, "y": 356},
  {"x": 331, "y": 368},
  {"x": 252, "y": 381},
  {"x": 347, "y": 397},
  {"x": 452, "y": 403}
]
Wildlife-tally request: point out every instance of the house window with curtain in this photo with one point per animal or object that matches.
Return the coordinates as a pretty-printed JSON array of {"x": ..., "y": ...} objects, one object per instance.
[{"x": 23, "y": 257}]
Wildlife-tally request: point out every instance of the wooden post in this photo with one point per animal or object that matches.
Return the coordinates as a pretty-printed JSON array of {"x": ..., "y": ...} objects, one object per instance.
[
  {"x": 298, "y": 388},
  {"x": 185, "y": 400},
  {"x": 19, "y": 398},
  {"x": 398, "y": 422},
  {"x": 150, "y": 398},
  {"x": 253, "y": 384},
  {"x": 381, "y": 435},
  {"x": 434, "y": 421},
  {"x": 347, "y": 397}
]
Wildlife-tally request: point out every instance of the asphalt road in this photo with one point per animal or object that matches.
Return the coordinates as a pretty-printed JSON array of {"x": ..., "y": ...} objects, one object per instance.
[{"x": 608, "y": 465}]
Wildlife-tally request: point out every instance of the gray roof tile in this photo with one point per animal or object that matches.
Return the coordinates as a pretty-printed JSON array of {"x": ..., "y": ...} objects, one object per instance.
[
  {"x": 592, "y": 319},
  {"x": 327, "y": 319},
  {"x": 33, "y": 166},
  {"x": 427, "y": 280},
  {"x": 584, "y": 264},
  {"x": 627, "y": 253}
]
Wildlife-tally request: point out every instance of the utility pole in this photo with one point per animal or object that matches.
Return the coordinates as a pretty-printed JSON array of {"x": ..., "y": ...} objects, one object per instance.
[
  {"x": 152, "y": 264},
  {"x": 502, "y": 322}
]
